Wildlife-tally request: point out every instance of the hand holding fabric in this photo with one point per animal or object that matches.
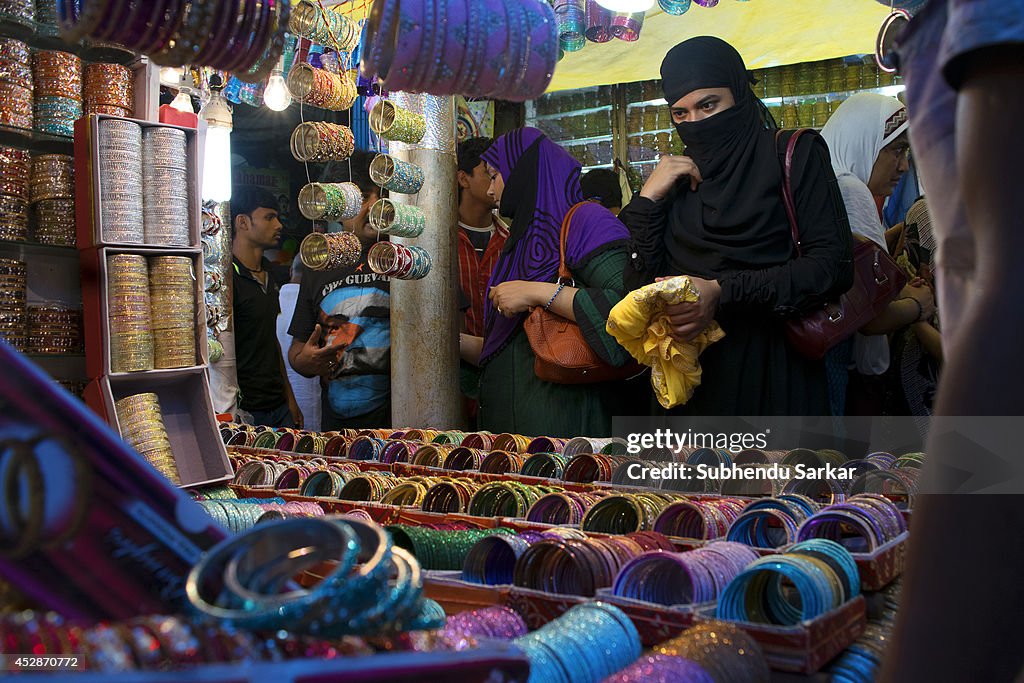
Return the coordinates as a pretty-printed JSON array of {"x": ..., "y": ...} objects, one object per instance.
[{"x": 640, "y": 323}]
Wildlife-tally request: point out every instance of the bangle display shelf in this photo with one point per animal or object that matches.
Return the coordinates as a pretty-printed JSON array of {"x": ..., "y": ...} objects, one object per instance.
[
  {"x": 183, "y": 393},
  {"x": 802, "y": 649}
]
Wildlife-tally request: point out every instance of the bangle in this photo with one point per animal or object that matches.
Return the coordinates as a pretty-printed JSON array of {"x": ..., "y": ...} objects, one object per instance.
[{"x": 554, "y": 296}]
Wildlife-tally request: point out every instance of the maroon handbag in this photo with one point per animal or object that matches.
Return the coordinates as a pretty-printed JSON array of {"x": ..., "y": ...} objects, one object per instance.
[{"x": 877, "y": 280}]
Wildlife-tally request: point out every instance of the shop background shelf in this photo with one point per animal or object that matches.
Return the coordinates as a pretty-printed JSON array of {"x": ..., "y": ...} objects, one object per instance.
[{"x": 34, "y": 141}]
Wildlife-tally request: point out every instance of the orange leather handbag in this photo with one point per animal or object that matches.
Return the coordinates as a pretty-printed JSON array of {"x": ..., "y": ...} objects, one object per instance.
[{"x": 562, "y": 354}]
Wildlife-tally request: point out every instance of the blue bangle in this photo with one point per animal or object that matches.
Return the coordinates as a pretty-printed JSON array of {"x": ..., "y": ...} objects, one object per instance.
[{"x": 554, "y": 296}]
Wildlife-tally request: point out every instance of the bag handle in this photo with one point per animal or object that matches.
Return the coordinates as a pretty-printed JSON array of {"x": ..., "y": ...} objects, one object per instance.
[
  {"x": 787, "y": 183},
  {"x": 563, "y": 270}
]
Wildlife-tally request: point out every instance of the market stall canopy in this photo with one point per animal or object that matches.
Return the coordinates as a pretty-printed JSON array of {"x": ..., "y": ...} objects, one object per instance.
[{"x": 766, "y": 32}]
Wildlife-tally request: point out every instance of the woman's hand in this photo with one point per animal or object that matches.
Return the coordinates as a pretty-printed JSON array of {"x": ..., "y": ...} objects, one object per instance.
[
  {"x": 690, "y": 319},
  {"x": 518, "y": 296},
  {"x": 669, "y": 170}
]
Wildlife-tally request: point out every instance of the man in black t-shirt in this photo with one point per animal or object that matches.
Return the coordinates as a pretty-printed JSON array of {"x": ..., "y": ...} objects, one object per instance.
[
  {"x": 341, "y": 330},
  {"x": 265, "y": 391}
]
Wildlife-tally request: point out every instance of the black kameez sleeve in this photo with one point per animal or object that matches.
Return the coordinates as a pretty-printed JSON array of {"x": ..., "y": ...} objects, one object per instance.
[
  {"x": 647, "y": 221},
  {"x": 824, "y": 270}
]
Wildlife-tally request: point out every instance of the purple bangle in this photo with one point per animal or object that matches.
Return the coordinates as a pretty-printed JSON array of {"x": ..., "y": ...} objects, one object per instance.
[
  {"x": 495, "y": 30},
  {"x": 659, "y": 667},
  {"x": 413, "y": 34},
  {"x": 599, "y": 23},
  {"x": 252, "y": 33},
  {"x": 165, "y": 23},
  {"x": 237, "y": 40},
  {"x": 627, "y": 26},
  {"x": 434, "y": 49},
  {"x": 829, "y": 522},
  {"x": 706, "y": 3},
  {"x": 502, "y": 623},
  {"x": 219, "y": 24},
  {"x": 118, "y": 16},
  {"x": 518, "y": 47},
  {"x": 472, "y": 36},
  {"x": 455, "y": 52}
]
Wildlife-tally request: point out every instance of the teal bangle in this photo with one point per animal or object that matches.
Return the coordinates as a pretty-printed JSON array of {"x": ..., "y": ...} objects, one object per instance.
[{"x": 554, "y": 296}]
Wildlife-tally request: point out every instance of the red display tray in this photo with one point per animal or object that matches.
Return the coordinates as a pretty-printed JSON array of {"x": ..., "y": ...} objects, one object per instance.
[
  {"x": 456, "y": 595},
  {"x": 883, "y": 566}
]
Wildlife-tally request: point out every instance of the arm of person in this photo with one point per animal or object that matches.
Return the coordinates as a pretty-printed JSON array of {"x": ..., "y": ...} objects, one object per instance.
[
  {"x": 982, "y": 376},
  {"x": 646, "y": 217},
  {"x": 825, "y": 267},
  {"x": 930, "y": 338},
  {"x": 470, "y": 348},
  {"x": 309, "y": 359},
  {"x": 588, "y": 306},
  {"x": 916, "y": 303}
]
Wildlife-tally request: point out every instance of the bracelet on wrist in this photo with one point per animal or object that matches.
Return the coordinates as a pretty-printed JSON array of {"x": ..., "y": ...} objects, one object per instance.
[{"x": 554, "y": 296}]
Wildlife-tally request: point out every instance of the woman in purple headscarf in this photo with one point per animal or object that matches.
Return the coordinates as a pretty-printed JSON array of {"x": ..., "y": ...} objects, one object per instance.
[{"x": 536, "y": 183}]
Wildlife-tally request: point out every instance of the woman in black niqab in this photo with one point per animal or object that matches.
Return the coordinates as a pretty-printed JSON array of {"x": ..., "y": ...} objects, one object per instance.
[{"x": 725, "y": 226}]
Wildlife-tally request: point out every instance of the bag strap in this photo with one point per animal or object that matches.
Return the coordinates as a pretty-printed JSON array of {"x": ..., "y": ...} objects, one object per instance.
[
  {"x": 787, "y": 182},
  {"x": 563, "y": 270}
]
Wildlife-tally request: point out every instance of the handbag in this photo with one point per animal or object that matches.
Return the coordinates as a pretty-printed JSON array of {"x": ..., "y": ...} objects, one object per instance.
[
  {"x": 877, "y": 280},
  {"x": 562, "y": 355}
]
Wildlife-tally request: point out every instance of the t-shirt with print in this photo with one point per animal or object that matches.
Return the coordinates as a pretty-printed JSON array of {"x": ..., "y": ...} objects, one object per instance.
[{"x": 352, "y": 305}]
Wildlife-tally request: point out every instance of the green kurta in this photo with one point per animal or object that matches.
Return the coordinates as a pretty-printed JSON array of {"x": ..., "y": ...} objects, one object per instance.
[{"x": 514, "y": 400}]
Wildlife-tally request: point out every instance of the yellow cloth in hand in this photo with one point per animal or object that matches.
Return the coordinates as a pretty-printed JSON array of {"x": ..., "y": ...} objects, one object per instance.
[{"x": 640, "y": 324}]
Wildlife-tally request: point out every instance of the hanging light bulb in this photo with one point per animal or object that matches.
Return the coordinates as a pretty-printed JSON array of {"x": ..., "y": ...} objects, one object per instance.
[
  {"x": 276, "y": 95},
  {"x": 630, "y": 6},
  {"x": 217, "y": 158}
]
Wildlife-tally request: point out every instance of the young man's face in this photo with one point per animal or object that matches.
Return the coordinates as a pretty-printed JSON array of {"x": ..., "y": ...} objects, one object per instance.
[
  {"x": 360, "y": 225},
  {"x": 262, "y": 227},
  {"x": 477, "y": 184}
]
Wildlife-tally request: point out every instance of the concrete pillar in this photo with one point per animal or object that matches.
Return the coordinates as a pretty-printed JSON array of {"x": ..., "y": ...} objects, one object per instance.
[{"x": 424, "y": 323}]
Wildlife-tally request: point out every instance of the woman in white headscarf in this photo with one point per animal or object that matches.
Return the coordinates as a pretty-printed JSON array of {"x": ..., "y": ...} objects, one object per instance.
[{"x": 867, "y": 138}]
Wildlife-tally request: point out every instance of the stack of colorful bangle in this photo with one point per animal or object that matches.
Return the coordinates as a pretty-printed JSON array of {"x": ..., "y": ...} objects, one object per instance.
[
  {"x": 396, "y": 124},
  {"x": 450, "y": 496},
  {"x": 886, "y": 461},
  {"x": 399, "y": 261},
  {"x": 217, "y": 493},
  {"x": 172, "y": 299},
  {"x": 440, "y": 549},
  {"x": 444, "y": 47},
  {"x": 544, "y": 465},
  {"x": 322, "y": 141},
  {"x": 16, "y": 87},
  {"x": 239, "y": 580},
  {"x": 142, "y": 426},
  {"x": 599, "y": 22},
  {"x": 166, "y": 194},
  {"x": 674, "y": 7},
  {"x": 768, "y": 523},
  {"x": 243, "y": 37},
  {"x": 431, "y": 455},
  {"x": 54, "y": 329},
  {"x": 52, "y": 177},
  {"x": 366, "y": 448},
  {"x": 723, "y": 650},
  {"x": 898, "y": 485},
  {"x": 590, "y": 467},
  {"x": 500, "y": 623},
  {"x": 688, "y": 578},
  {"x": 492, "y": 559},
  {"x": 398, "y": 176},
  {"x": 108, "y": 89},
  {"x": 506, "y": 499},
  {"x": 53, "y": 222},
  {"x": 398, "y": 451},
  {"x": 15, "y": 169},
  {"x": 662, "y": 669},
  {"x": 329, "y": 251},
  {"x": 120, "y": 155},
  {"x": 324, "y": 26},
  {"x": 583, "y": 444},
  {"x": 513, "y": 443},
  {"x": 162, "y": 643},
  {"x": 823, "y": 491},
  {"x": 258, "y": 473},
  {"x": 57, "y": 77},
  {"x": 706, "y": 519},
  {"x": 400, "y": 220},
  {"x": 863, "y": 523},
  {"x": 128, "y": 311},
  {"x": 410, "y": 492},
  {"x": 570, "y": 566},
  {"x": 823, "y": 575},
  {"x": 462, "y": 458},
  {"x": 327, "y": 482},
  {"x": 570, "y": 22},
  {"x": 22, "y": 11},
  {"x": 501, "y": 462},
  {"x": 368, "y": 486},
  {"x": 566, "y": 507},
  {"x": 321, "y": 88},
  {"x": 590, "y": 642},
  {"x": 330, "y": 201},
  {"x": 627, "y": 26},
  {"x": 625, "y": 513}
]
